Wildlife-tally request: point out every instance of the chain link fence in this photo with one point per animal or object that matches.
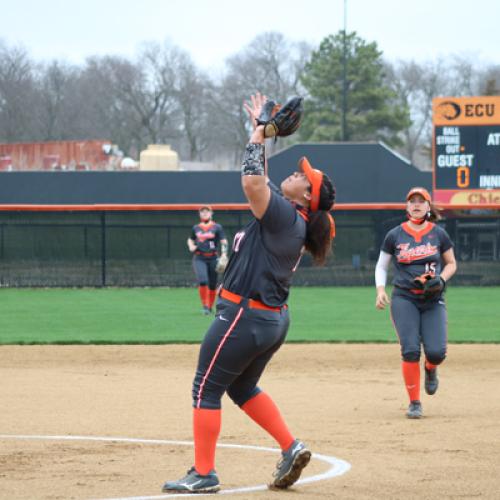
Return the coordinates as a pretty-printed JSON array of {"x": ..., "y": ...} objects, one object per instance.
[{"x": 148, "y": 248}]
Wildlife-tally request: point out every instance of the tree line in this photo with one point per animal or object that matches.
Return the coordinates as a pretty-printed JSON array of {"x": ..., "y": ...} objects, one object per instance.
[{"x": 161, "y": 97}]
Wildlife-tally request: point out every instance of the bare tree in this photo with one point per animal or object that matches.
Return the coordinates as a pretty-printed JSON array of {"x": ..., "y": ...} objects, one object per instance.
[
  {"x": 136, "y": 100},
  {"x": 104, "y": 110},
  {"x": 416, "y": 84},
  {"x": 194, "y": 92},
  {"x": 16, "y": 94},
  {"x": 269, "y": 64},
  {"x": 462, "y": 77},
  {"x": 490, "y": 81},
  {"x": 156, "y": 103},
  {"x": 162, "y": 97},
  {"x": 56, "y": 109}
]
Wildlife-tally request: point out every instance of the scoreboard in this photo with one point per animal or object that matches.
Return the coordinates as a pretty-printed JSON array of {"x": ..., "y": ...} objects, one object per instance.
[{"x": 466, "y": 150}]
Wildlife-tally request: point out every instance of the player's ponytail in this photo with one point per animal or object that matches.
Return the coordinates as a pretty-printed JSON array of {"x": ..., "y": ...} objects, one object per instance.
[
  {"x": 320, "y": 224},
  {"x": 433, "y": 214},
  {"x": 319, "y": 236}
]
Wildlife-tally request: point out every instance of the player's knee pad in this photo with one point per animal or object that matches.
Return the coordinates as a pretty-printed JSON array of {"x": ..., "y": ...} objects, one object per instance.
[
  {"x": 435, "y": 357},
  {"x": 411, "y": 356}
]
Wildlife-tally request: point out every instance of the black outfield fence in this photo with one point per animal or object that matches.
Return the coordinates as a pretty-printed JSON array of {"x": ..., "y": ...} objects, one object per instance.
[
  {"x": 97, "y": 248},
  {"x": 142, "y": 247},
  {"x": 130, "y": 228},
  {"x": 127, "y": 248}
]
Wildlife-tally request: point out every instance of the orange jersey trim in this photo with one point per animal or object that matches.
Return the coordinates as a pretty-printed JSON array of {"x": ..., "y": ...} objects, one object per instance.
[
  {"x": 206, "y": 225},
  {"x": 417, "y": 234}
]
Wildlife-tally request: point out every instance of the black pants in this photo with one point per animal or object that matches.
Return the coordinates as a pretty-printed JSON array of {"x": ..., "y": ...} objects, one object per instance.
[
  {"x": 236, "y": 349},
  {"x": 204, "y": 268}
]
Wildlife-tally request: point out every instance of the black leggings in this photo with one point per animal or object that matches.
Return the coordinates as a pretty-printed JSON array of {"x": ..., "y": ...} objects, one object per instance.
[{"x": 236, "y": 349}]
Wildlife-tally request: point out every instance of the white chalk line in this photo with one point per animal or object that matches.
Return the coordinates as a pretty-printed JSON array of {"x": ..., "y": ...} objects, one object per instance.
[{"x": 338, "y": 466}]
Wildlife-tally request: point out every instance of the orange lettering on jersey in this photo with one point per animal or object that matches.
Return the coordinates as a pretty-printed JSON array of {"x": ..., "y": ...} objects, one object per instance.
[
  {"x": 205, "y": 236},
  {"x": 407, "y": 254}
]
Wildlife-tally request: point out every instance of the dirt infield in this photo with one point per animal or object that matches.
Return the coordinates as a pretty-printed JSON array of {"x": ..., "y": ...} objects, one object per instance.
[{"x": 345, "y": 401}]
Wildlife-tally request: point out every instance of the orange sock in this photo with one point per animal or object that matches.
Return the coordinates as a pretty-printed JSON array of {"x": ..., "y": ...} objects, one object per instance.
[
  {"x": 203, "y": 291},
  {"x": 411, "y": 376},
  {"x": 206, "y": 428},
  {"x": 262, "y": 410},
  {"x": 430, "y": 366},
  {"x": 211, "y": 297}
]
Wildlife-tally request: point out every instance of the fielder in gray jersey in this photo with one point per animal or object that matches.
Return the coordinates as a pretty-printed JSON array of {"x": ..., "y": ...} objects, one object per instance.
[
  {"x": 205, "y": 237},
  {"x": 418, "y": 248}
]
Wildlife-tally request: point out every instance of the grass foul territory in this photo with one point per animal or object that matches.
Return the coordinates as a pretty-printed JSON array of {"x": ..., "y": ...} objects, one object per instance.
[{"x": 173, "y": 315}]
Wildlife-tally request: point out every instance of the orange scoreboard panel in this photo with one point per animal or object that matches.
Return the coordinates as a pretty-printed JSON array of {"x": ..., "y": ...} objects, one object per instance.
[{"x": 466, "y": 150}]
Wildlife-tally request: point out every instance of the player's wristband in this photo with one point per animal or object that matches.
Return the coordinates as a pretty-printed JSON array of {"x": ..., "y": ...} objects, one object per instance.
[{"x": 253, "y": 160}]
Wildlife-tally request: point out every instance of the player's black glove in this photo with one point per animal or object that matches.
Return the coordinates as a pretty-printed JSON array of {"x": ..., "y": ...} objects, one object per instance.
[
  {"x": 281, "y": 121},
  {"x": 431, "y": 284},
  {"x": 434, "y": 286},
  {"x": 421, "y": 280}
]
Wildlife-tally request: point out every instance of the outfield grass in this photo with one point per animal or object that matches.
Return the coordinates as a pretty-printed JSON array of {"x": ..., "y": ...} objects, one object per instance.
[{"x": 173, "y": 315}]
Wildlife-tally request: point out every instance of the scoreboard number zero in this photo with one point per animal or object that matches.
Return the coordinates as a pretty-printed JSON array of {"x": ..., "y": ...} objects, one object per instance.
[{"x": 463, "y": 177}]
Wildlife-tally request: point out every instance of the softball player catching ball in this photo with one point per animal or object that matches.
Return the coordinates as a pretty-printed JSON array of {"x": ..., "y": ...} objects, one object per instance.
[
  {"x": 203, "y": 243},
  {"x": 418, "y": 249},
  {"x": 252, "y": 319}
]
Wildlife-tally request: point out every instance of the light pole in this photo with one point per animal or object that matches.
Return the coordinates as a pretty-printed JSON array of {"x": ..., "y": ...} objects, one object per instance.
[{"x": 344, "y": 77}]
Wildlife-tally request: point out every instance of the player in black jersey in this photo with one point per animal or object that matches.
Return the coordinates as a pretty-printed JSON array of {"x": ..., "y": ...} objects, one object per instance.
[
  {"x": 418, "y": 249},
  {"x": 252, "y": 316},
  {"x": 203, "y": 243}
]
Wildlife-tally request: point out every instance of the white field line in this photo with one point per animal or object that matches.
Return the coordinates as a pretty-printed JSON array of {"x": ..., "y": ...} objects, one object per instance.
[{"x": 337, "y": 466}]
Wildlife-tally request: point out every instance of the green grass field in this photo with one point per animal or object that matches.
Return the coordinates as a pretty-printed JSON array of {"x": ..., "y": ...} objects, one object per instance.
[{"x": 172, "y": 315}]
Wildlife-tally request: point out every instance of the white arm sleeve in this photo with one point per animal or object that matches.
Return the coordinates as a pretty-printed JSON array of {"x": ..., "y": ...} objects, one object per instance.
[{"x": 381, "y": 268}]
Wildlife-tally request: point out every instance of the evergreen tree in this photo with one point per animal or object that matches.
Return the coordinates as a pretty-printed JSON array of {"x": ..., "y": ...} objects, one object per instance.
[{"x": 372, "y": 109}]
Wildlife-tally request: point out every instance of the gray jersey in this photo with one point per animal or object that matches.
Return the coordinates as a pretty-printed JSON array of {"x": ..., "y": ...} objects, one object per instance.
[
  {"x": 207, "y": 236},
  {"x": 415, "y": 252},
  {"x": 266, "y": 253}
]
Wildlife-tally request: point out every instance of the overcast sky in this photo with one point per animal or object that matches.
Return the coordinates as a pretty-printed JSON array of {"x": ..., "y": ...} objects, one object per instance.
[{"x": 212, "y": 30}]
